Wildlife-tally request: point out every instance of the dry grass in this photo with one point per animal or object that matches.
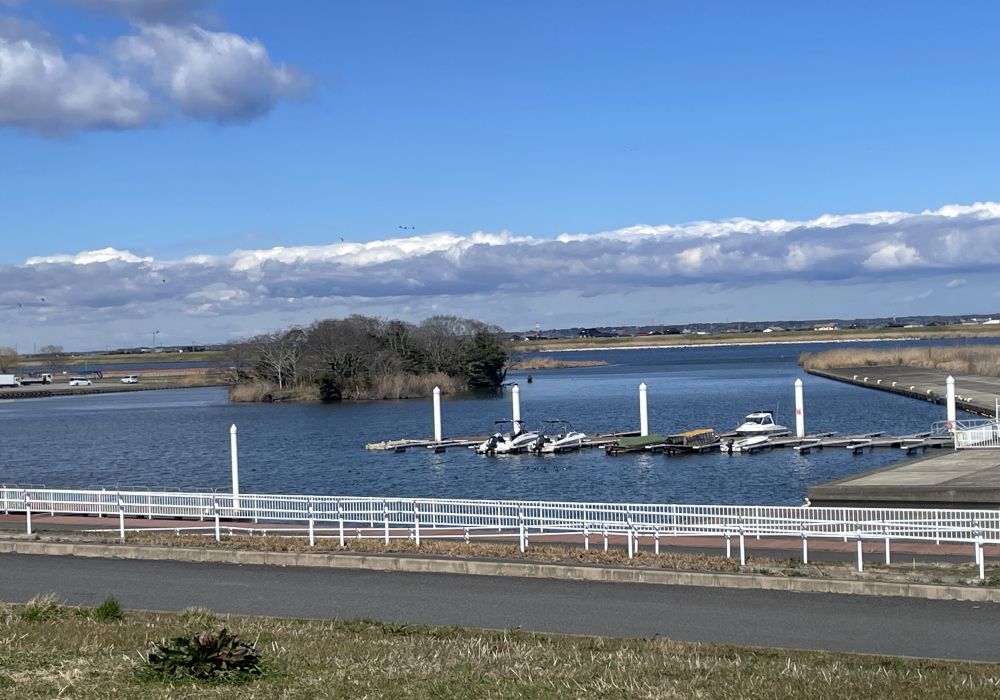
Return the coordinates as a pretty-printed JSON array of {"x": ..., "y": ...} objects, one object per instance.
[
  {"x": 393, "y": 386},
  {"x": 259, "y": 391},
  {"x": 549, "y": 363},
  {"x": 983, "y": 360},
  {"x": 76, "y": 657},
  {"x": 544, "y": 553},
  {"x": 413, "y": 386}
]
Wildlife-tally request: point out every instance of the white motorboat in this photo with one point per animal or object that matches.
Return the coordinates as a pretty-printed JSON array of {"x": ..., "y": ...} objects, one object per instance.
[
  {"x": 761, "y": 423},
  {"x": 751, "y": 444},
  {"x": 557, "y": 436},
  {"x": 510, "y": 438}
]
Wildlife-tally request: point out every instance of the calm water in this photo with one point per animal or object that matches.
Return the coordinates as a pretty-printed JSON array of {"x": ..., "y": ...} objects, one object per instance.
[{"x": 180, "y": 438}]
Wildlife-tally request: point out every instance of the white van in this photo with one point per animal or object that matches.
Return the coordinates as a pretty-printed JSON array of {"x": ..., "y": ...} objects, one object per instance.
[
  {"x": 79, "y": 381},
  {"x": 130, "y": 379}
]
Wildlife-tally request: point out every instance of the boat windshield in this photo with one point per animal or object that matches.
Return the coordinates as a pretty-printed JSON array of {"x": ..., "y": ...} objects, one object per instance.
[
  {"x": 761, "y": 419},
  {"x": 556, "y": 428}
]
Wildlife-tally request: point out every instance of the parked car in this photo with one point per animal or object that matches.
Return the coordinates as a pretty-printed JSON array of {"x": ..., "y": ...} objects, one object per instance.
[
  {"x": 130, "y": 379},
  {"x": 79, "y": 381}
]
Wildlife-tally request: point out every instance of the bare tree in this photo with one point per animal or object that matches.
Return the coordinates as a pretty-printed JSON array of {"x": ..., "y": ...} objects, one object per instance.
[
  {"x": 8, "y": 359},
  {"x": 236, "y": 363},
  {"x": 279, "y": 354},
  {"x": 53, "y": 357}
]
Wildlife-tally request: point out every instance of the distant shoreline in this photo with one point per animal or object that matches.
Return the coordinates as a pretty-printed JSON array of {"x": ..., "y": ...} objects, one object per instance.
[{"x": 751, "y": 343}]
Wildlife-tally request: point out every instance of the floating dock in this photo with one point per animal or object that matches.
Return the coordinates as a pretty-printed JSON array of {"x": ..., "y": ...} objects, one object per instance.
[
  {"x": 956, "y": 479},
  {"x": 974, "y": 393}
]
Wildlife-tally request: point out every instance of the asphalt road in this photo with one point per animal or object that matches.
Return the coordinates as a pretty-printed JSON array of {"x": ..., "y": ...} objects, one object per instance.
[{"x": 891, "y": 626}]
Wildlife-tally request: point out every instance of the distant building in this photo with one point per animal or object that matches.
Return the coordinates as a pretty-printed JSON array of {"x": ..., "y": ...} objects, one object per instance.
[
  {"x": 831, "y": 326},
  {"x": 774, "y": 329}
]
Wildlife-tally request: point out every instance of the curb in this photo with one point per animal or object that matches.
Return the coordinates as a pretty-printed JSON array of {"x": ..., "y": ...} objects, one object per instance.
[{"x": 477, "y": 567}]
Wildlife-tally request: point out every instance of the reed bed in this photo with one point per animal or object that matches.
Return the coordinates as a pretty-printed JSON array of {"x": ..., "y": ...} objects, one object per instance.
[
  {"x": 393, "y": 386},
  {"x": 76, "y": 656},
  {"x": 549, "y": 363},
  {"x": 983, "y": 360}
]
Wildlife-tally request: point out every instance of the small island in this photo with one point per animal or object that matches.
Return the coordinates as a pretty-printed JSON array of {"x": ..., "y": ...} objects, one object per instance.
[{"x": 366, "y": 358}]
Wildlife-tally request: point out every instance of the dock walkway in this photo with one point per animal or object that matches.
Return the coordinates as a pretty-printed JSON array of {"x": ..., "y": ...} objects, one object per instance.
[
  {"x": 974, "y": 393},
  {"x": 955, "y": 479}
]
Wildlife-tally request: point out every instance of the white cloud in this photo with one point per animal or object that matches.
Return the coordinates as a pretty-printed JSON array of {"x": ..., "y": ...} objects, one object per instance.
[
  {"x": 955, "y": 283},
  {"x": 167, "y": 65},
  {"x": 42, "y": 90},
  {"x": 445, "y": 269},
  {"x": 210, "y": 75}
]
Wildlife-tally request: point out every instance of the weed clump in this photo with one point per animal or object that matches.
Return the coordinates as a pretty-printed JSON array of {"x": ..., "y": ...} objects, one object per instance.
[
  {"x": 43, "y": 609},
  {"x": 208, "y": 656}
]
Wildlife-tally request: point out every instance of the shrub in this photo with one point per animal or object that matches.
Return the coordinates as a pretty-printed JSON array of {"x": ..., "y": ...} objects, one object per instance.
[
  {"x": 108, "y": 611},
  {"x": 218, "y": 656}
]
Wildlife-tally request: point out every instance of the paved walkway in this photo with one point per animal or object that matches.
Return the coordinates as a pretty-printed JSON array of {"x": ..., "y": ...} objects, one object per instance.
[{"x": 874, "y": 625}]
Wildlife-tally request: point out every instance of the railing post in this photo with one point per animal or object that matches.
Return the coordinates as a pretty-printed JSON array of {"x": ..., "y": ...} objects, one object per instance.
[
  {"x": 520, "y": 525},
  {"x": 982, "y": 555},
  {"x": 416, "y": 523},
  {"x": 586, "y": 538},
  {"x": 121, "y": 516},
  {"x": 340, "y": 518},
  {"x": 385, "y": 519},
  {"x": 215, "y": 510},
  {"x": 656, "y": 540},
  {"x": 729, "y": 549},
  {"x": 805, "y": 544},
  {"x": 861, "y": 559},
  {"x": 743, "y": 548},
  {"x": 605, "y": 537},
  {"x": 888, "y": 554},
  {"x": 312, "y": 526},
  {"x": 27, "y": 512}
]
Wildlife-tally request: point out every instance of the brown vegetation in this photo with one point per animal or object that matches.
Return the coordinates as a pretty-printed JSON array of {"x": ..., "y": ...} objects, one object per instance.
[
  {"x": 983, "y": 360},
  {"x": 549, "y": 363},
  {"x": 73, "y": 655}
]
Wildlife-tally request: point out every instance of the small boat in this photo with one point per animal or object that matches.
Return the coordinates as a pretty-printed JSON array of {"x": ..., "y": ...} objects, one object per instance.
[
  {"x": 761, "y": 423},
  {"x": 752, "y": 444},
  {"x": 557, "y": 436},
  {"x": 510, "y": 438}
]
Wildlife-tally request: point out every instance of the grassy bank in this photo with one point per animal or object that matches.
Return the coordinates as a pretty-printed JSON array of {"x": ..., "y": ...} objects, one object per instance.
[
  {"x": 842, "y": 335},
  {"x": 66, "y": 654},
  {"x": 536, "y": 363},
  {"x": 393, "y": 386},
  {"x": 983, "y": 360},
  {"x": 916, "y": 572}
]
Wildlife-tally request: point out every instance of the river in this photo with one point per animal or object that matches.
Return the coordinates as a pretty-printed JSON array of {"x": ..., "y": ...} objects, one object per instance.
[{"x": 180, "y": 438}]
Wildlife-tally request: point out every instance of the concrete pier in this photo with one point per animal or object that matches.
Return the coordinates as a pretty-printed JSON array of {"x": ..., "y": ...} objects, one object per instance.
[
  {"x": 974, "y": 394},
  {"x": 956, "y": 479}
]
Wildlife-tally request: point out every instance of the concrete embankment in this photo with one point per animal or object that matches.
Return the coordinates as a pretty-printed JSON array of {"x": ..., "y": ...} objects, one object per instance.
[
  {"x": 479, "y": 567},
  {"x": 975, "y": 394}
]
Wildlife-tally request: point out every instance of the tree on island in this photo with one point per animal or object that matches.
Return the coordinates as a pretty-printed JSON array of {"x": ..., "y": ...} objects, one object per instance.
[{"x": 362, "y": 357}]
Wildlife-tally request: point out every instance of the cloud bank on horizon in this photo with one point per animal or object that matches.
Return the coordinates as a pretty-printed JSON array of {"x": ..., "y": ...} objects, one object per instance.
[
  {"x": 449, "y": 270},
  {"x": 167, "y": 67}
]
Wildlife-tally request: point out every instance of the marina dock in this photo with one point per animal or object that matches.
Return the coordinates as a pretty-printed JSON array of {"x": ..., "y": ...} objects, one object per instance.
[
  {"x": 975, "y": 394},
  {"x": 956, "y": 479}
]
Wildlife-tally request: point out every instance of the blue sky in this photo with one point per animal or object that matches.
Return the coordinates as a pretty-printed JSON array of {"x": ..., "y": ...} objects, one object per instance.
[{"x": 534, "y": 119}]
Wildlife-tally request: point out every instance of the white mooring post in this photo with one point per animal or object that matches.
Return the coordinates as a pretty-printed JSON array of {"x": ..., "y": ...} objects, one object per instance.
[
  {"x": 950, "y": 383},
  {"x": 800, "y": 417},
  {"x": 437, "y": 414},
  {"x": 515, "y": 403},
  {"x": 235, "y": 469},
  {"x": 643, "y": 411}
]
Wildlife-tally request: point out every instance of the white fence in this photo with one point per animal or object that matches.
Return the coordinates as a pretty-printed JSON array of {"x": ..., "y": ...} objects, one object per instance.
[
  {"x": 977, "y": 434},
  {"x": 345, "y": 517}
]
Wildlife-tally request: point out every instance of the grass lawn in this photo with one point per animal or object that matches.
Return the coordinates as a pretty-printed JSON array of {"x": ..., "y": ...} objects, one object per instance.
[{"x": 67, "y": 654}]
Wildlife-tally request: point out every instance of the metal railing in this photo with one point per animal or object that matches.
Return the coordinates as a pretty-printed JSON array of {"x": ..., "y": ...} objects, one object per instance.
[
  {"x": 977, "y": 434},
  {"x": 416, "y": 518}
]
